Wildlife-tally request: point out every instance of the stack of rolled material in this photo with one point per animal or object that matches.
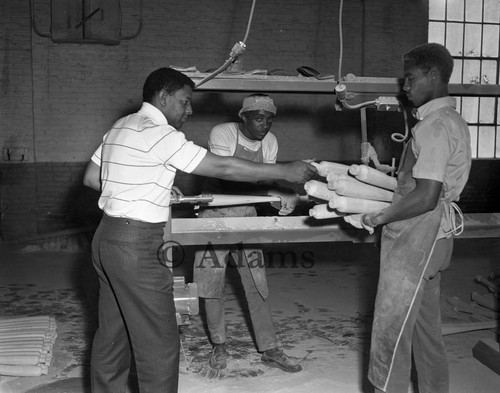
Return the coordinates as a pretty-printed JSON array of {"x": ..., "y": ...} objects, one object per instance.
[
  {"x": 349, "y": 190},
  {"x": 326, "y": 167},
  {"x": 26, "y": 345}
]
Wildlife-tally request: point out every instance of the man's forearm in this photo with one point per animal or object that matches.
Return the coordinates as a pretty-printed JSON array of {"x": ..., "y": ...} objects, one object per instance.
[
  {"x": 422, "y": 199},
  {"x": 402, "y": 210},
  {"x": 244, "y": 170},
  {"x": 92, "y": 176},
  {"x": 232, "y": 168}
]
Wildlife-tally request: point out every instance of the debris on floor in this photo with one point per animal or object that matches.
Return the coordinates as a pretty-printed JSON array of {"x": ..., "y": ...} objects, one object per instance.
[
  {"x": 482, "y": 306},
  {"x": 484, "y": 312},
  {"x": 71, "y": 240}
]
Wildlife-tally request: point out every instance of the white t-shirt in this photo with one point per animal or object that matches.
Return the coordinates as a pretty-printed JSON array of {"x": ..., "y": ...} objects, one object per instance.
[{"x": 223, "y": 137}]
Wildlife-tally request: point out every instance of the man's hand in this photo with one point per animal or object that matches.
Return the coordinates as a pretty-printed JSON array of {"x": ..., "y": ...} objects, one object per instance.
[
  {"x": 356, "y": 220},
  {"x": 289, "y": 200},
  {"x": 299, "y": 171},
  {"x": 175, "y": 193},
  {"x": 367, "y": 221}
]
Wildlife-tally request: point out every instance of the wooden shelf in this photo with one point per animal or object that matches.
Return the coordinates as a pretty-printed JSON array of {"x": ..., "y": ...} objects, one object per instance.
[
  {"x": 296, "y": 229},
  {"x": 296, "y": 84}
]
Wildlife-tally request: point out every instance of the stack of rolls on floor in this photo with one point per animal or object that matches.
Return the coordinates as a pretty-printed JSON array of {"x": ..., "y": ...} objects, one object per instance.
[
  {"x": 26, "y": 345},
  {"x": 349, "y": 191}
]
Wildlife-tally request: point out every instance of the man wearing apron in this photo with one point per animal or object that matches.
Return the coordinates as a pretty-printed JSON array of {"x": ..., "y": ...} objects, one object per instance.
[
  {"x": 417, "y": 239},
  {"x": 251, "y": 140}
]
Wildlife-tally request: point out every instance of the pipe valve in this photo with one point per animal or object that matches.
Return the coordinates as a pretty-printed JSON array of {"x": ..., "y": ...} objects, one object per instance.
[{"x": 238, "y": 49}]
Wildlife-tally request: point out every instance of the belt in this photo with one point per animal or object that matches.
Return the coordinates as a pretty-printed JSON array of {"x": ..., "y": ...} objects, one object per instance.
[{"x": 132, "y": 222}]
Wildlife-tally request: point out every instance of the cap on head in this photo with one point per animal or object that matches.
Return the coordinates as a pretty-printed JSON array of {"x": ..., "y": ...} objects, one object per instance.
[{"x": 258, "y": 102}]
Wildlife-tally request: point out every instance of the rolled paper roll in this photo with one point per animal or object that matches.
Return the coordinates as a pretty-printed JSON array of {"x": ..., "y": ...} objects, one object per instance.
[
  {"x": 21, "y": 334},
  {"x": 19, "y": 359},
  {"x": 233, "y": 200},
  {"x": 319, "y": 190},
  {"x": 373, "y": 176},
  {"x": 356, "y": 205},
  {"x": 323, "y": 211},
  {"x": 13, "y": 350},
  {"x": 351, "y": 187},
  {"x": 326, "y": 167},
  {"x": 23, "y": 370},
  {"x": 334, "y": 176}
]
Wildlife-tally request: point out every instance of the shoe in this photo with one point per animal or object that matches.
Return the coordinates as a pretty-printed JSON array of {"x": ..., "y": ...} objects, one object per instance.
[
  {"x": 276, "y": 358},
  {"x": 218, "y": 357}
]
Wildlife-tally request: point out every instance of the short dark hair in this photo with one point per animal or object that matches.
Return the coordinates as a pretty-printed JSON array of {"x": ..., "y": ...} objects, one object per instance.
[
  {"x": 164, "y": 79},
  {"x": 428, "y": 55}
]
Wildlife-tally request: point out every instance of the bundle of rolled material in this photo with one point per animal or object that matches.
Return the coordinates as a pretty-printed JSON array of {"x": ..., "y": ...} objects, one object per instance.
[
  {"x": 351, "y": 187},
  {"x": 26, "y": 345},
  {"x": 326, "y": 167},
  {"x": 349, "y": 190},
  {"x": 350, "y": 205},
  {"x": 322, "y": 211},
  {"x": 319, "y": 190},
  {"x": 373, "y": 176}
]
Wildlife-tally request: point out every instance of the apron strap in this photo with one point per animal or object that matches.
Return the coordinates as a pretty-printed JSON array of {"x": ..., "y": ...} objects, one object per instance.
[{"x": 457, "y": 226}]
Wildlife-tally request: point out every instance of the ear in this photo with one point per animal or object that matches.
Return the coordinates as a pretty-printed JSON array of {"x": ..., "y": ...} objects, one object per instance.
[
  {"x": 434, "y": 75},
  {"x": 163, "y": 97}
]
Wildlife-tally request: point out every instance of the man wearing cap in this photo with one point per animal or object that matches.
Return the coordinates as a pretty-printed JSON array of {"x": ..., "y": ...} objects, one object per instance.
[{"x": 249, "y": 139}]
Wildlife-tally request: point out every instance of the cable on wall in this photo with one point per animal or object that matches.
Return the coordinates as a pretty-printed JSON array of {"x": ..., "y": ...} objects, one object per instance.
[
  {"x": 341, "y": 50},
  {"x": 237, "y": 50}
]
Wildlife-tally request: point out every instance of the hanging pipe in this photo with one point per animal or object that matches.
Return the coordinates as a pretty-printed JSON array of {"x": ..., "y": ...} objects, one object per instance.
[
  {"x": 397, "y": 137},
  {"x": 237, "y": 50}
]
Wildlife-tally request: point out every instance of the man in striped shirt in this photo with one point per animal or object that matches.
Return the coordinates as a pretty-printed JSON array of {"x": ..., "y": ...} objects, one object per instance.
[{"x": 134, "y": 170}]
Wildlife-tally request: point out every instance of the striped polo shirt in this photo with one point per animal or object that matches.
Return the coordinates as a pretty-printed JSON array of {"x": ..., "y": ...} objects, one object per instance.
[{"x": 139, "y": 157}]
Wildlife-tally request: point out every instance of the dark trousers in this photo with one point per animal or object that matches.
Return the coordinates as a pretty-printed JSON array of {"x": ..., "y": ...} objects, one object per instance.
[
  {"x": 259, "y": 308},
  {"x": 422, "y": 336},
  {"x": 136, "y": 309}
]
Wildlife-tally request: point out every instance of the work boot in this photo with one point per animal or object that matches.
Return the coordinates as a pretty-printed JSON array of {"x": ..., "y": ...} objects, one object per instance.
[
  {"x": 275, "y": 357},
  {"x": 218, "y": 357}
]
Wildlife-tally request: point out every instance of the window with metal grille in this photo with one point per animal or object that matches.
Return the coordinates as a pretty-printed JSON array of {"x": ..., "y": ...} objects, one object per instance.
[{"x": 470, "y": 30}]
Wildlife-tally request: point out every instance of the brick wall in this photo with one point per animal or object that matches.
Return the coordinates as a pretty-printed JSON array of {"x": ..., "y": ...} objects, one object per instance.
[
  {"x": 45, "y": 197},
  {"x": 61, "y": 98},
  {"x": 57, "y": 100}
]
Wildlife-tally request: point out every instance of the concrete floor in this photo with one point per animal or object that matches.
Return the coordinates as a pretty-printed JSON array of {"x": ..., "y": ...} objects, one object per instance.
[{"x": 322, "y": 312}]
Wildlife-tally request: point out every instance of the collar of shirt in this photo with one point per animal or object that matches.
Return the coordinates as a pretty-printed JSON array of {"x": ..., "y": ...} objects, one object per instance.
[
  {"x": 153, "y": 112},
  {"x": 434, "y": 105}
]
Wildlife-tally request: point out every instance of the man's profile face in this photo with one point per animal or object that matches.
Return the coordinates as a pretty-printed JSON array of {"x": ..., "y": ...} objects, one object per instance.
[
  {"x": 418, "y": 85},
  {"x": 257, "y": 124},
  {"x": 177, "y": 107}
]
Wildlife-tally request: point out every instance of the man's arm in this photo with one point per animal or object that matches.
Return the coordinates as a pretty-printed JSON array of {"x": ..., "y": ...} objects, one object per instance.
[
  {"x": 422, "y": 199},
  {"x": 92, "y": 176},
  {"x": 236, "y": 169}
]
